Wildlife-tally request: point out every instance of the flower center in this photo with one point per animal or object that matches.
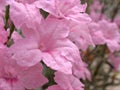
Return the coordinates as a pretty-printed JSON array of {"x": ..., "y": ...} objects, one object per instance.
[
  {"x": 10, "y": 78},
  {"x": 42, "y": 47},
  {"x": 9, "y": 74}
]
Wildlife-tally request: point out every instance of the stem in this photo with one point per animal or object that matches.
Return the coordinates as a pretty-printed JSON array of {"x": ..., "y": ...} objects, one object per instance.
[
  {"x": 6, "y": 17},
  {"x": 115, "y": 11}
]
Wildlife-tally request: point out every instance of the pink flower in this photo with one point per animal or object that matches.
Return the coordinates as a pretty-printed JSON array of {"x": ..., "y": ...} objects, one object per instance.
[
  {"x": 80, "y": 34},
  {"x": 96, "y": 6},
  {"x": 80, "y": 70},
  {"x": 96, "y": 11},
  {"x": 111, "y": 34},
  {"x": 13, "y": 77},
  {"x": 66, "y": 82},
  {"x": 28, "y": 13},
  {"x": 105, "y": 32},
  {"x": 96, "y": 34},
  {"x": 49, "y": 40},
  {"x": 70, "y": 11},
  {"x": 61, "y": 9},
  {"x": 50, "y": 44}
]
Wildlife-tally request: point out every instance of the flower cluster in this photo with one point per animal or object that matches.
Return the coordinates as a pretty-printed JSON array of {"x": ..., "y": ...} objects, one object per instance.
[
  {"x": 109, "y": 26},
  {"x": 34, "y": 33}
]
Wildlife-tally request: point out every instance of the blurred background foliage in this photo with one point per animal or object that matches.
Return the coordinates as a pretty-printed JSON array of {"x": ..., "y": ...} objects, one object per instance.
[{"x": 102, "y": 70}]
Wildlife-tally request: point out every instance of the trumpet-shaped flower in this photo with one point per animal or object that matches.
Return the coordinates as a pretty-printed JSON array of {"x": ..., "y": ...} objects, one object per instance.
[
  {"x": 14, "y": 77},
  {"x": 105, "y": 32},
  {"x": 49, "y": 44}
]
